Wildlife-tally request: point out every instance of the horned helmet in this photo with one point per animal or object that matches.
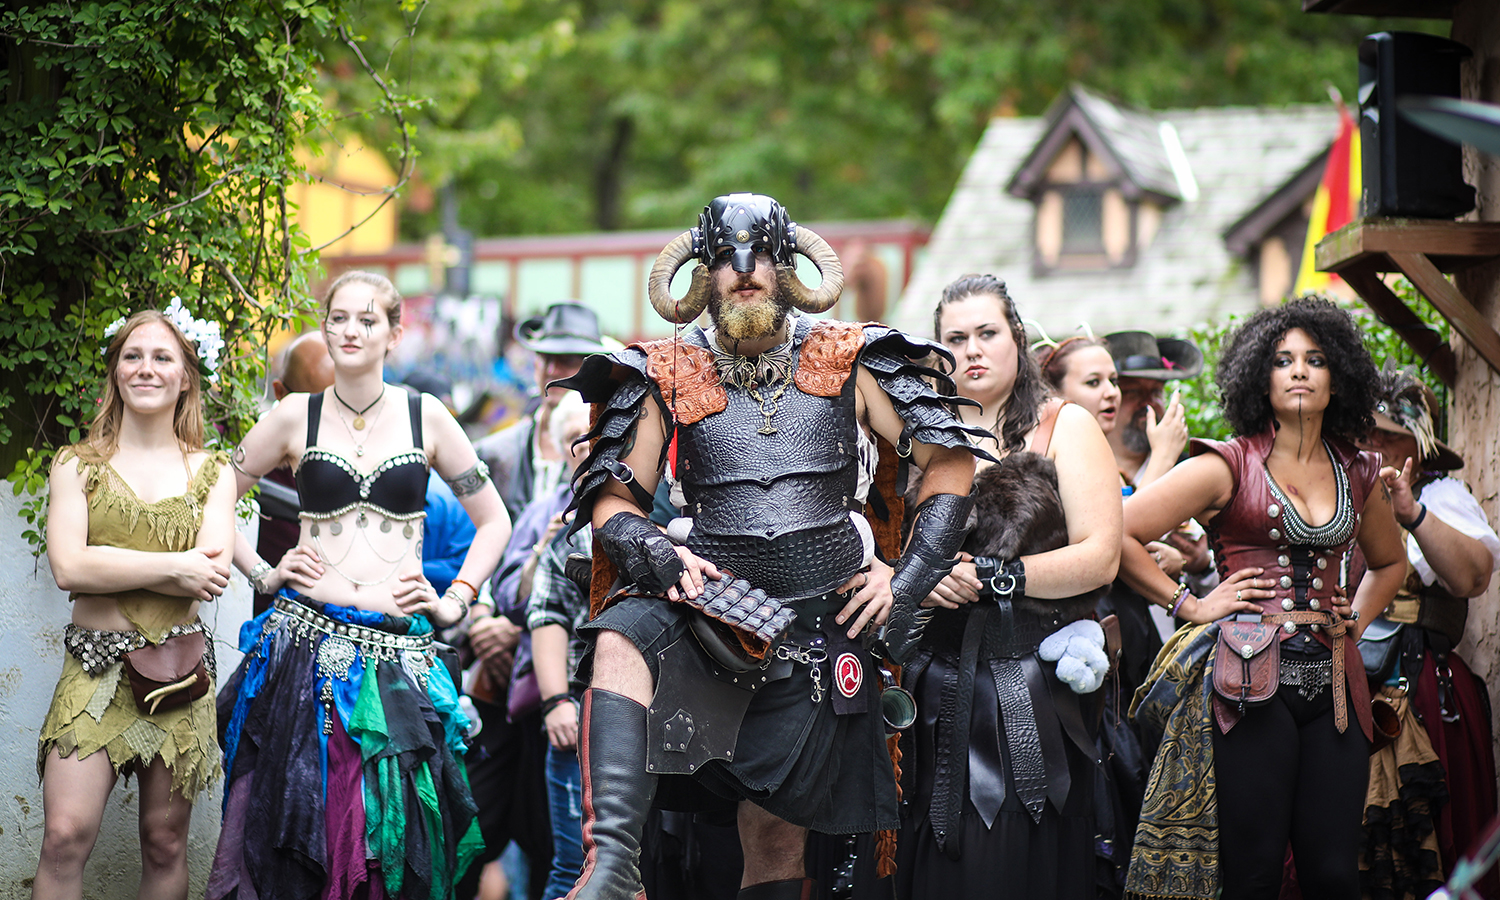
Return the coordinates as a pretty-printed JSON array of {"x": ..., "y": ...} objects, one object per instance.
[{"x": 736, "y": 227}]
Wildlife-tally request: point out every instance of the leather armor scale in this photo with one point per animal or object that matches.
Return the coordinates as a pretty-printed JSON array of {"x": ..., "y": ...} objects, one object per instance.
[{"x": 774, "y": 509}]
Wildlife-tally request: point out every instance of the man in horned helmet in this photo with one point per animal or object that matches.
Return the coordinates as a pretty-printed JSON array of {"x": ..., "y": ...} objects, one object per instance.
[{"x": 740, "y": 646}]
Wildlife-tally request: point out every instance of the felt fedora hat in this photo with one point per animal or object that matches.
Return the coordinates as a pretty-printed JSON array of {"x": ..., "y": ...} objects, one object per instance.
[
  {"x": 563, "y": 329},
  {"x": 1140, "y": 354}
]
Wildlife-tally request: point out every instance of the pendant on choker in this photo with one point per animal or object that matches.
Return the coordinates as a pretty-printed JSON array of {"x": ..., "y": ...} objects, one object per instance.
[{"x": 359, "y": 425}]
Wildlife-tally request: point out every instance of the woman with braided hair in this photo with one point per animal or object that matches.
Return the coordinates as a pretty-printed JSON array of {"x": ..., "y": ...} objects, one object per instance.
[{"x": 1011, "y": 816}]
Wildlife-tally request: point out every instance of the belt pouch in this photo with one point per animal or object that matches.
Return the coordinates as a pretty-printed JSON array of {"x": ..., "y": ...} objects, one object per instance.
[
  {"x": 170, "y": 674},
  {"x": 1380, "y": 648},
  {"x": 849, "y": 661},
  {"x": 1247, "y": 664}
]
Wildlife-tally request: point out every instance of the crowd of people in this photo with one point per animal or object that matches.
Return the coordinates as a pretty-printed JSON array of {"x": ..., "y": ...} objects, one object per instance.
[{"x": 777, "y": 607}]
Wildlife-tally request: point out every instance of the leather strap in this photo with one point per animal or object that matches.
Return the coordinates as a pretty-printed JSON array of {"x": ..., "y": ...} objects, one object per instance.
[
  {"x": 1043, "y": 437},
  {"x": 1336, "y": 628},
  {"x": 1022, "y": 739},
  {"x": 951, "y": 774}
]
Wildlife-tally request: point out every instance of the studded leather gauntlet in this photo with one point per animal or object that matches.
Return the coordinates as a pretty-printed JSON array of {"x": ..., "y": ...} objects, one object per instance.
[
  {"x": 643, "y": 554},
  {"x": 736, "y": 603},
  {"x": 1000, "y": 579},
  {"x": 937, "y": 532}
]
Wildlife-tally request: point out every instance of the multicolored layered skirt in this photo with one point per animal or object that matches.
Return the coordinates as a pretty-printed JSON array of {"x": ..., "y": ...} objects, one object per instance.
[{"x": 344, "y": 745}]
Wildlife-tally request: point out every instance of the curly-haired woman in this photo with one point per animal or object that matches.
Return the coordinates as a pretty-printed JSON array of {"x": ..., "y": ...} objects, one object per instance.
[
  {"x": 140, "y": 526},
  {"x": 1284, "y": 501}
]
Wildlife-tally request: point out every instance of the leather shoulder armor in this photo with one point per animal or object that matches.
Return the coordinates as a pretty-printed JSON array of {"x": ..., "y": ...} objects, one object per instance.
[
  {"x": 617, "y": 386},
  {"x": 902, "y": 366},
  {"x": 685, "y": 376},
  {"x": 827, "y": 357}
]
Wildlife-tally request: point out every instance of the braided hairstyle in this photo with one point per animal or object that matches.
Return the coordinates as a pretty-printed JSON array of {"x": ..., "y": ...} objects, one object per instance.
[{"x": 1029, "y": 391}]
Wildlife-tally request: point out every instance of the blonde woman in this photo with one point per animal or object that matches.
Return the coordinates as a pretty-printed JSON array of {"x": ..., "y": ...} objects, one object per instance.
[{"x": 140, "y": 528}]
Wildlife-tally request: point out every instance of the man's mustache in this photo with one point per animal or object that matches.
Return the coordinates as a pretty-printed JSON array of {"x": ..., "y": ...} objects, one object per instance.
[{"x": 747, "y": 283}]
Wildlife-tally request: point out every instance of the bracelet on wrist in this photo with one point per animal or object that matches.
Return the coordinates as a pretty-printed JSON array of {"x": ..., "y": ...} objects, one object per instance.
[
  {"x": 1418, "y": 520},
  {"x": 473, "y": 591},
  {"x": 554, "y": 701},
  {"x": 258, "y": 574},
  {"x": 1178, "y": 597}
]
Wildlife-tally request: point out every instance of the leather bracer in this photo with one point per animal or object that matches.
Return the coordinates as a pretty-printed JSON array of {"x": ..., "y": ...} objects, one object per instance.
[
  {"x": 640, "y": 550},
  {"x": 937, "y": 532},
  {"x": 999, "y": 579}
]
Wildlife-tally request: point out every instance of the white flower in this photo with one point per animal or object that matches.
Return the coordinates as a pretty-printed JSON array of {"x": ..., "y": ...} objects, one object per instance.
[{"x": 205, "y": 335}]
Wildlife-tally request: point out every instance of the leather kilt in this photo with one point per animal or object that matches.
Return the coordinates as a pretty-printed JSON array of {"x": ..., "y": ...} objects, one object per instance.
[{"x": 818, "y": 763}]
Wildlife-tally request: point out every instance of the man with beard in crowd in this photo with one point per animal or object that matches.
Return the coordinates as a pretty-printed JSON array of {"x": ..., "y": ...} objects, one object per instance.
[{"x": 736, "y": 648}]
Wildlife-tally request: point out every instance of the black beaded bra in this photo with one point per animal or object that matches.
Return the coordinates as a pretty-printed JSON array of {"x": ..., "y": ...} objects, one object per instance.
[{"x": 329, "y": 485}]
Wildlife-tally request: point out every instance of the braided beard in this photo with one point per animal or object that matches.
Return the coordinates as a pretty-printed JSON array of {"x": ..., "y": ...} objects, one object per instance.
[{"x": 741, "y": 322}]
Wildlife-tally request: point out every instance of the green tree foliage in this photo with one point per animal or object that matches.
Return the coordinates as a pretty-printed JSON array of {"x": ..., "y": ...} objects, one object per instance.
[
  {"x": 146, "y": 149},
  {"x": 570, "y": 115},
  {"x": 1200, "y": 396}
]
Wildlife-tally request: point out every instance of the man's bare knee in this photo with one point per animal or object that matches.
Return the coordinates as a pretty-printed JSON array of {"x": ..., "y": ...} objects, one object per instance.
[
  {"x": 620, "y": 667},
  {"x": 773, "y": 846}
]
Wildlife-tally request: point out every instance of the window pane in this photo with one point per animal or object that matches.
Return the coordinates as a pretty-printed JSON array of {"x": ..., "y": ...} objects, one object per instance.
[{"x": 1083, "y": 222}]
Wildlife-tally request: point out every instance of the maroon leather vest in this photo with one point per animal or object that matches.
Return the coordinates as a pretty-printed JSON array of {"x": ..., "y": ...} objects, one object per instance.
[{"x": 1256, "y": 529}]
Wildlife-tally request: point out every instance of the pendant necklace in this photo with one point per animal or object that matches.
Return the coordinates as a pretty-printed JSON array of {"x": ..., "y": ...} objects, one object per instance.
[
  {"x": 359, "y": 414},
  {"x": 751, "y": 374},
  {"x": 359, "y": 422}
]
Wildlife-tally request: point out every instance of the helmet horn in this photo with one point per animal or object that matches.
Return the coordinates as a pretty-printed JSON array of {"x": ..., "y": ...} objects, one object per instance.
[
  {"x": 810, "y": 245},
  {"x": 659, "y": 284}
]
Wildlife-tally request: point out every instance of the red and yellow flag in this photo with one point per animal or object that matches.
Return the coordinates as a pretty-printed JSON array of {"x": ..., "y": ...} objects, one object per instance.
[{"x": 1336, "y": 203}]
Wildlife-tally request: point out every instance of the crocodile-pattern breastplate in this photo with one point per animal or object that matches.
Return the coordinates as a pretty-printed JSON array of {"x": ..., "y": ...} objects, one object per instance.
[{"x": 761, "y": 501}]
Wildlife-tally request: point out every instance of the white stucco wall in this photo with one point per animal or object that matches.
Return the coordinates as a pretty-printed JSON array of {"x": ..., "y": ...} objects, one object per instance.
[{"x": 34, "y": 612}]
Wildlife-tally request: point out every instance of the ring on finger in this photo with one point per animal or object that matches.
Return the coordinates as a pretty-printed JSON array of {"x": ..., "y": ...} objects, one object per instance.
[{"x": 1237, "y": 596}]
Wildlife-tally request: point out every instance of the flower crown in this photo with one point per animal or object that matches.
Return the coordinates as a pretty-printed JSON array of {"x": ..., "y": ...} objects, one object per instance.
[{"x": 206, "y": 336}]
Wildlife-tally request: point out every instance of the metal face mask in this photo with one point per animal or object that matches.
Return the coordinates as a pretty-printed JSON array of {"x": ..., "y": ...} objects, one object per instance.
[{"x": 740, "y": 225}]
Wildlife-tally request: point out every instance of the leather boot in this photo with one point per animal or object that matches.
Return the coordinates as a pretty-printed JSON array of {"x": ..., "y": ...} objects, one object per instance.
[
  {"x": 617, "y": 793},
  {"x": 795, "y": 889}
]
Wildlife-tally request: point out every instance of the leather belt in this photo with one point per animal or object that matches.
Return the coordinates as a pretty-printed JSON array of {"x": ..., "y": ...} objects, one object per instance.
[
  {"x": 951, "y": 775},
  {"x": 1336, "y": 628}
]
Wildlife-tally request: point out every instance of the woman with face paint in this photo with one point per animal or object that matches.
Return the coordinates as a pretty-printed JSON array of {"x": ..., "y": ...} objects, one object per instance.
[
  {"x": 344, "y": 738},
  {"x": 1284, "y": 502}
]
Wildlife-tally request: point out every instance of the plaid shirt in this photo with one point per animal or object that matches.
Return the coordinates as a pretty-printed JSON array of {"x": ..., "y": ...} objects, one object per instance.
[{"x": 555, "y": 599}]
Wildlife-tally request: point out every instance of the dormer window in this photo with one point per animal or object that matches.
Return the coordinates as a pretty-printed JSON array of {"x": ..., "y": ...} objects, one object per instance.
[
  {"x": 1099, "y": 177},
  {"x": 1083, "y": 221}
]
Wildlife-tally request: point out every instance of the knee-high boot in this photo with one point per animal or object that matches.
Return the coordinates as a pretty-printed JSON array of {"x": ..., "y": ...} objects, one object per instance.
[
  {"x": 617, "y": 793},
  {"x": 795, "y": 889}
]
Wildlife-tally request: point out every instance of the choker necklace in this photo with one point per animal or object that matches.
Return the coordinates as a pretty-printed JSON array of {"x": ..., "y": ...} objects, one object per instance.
[
  {"x": 359, "y": 414},
  {"x": 359, "y": 422}
]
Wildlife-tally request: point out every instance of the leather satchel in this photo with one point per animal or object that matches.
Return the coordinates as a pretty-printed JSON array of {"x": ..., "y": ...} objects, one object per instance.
[
  {"x": 170, "y": 674},
  {"x": 1247, "y": 662},
  {"x": 1380, "y": 648}
]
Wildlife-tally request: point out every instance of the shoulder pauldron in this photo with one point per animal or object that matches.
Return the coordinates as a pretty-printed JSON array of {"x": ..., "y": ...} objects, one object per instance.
[{"x": 901, "y": 366}]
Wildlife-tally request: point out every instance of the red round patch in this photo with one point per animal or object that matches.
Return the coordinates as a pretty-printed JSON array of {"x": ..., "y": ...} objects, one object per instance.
[{"x": 848, "y": 674}]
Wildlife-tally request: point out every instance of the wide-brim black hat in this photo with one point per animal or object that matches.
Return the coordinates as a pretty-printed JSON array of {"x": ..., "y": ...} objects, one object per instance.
[
  {"x": 1141, "y": 354},
  {"x": 564, "y": 329}
]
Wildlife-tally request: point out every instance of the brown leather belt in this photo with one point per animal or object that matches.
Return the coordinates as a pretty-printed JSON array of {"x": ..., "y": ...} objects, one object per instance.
[{"x": 1333, "y": 625}]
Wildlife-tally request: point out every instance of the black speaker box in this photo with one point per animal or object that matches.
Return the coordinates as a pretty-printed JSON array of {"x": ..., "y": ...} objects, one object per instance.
[{"x": 1406, "y": 171}]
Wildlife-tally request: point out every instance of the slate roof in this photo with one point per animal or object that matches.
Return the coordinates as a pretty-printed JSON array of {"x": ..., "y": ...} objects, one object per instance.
[{"x": 1238, "y": 157}]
